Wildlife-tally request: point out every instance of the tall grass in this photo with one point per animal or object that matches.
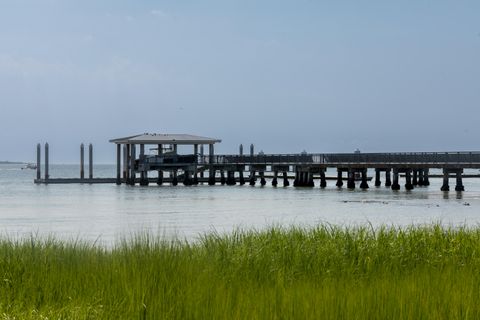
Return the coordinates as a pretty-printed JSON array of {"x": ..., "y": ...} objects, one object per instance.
[{"x": 326, "y": 272}]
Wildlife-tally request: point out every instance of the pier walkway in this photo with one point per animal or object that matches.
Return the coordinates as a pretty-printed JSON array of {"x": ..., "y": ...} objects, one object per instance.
[{"x": 196, "y": 167}]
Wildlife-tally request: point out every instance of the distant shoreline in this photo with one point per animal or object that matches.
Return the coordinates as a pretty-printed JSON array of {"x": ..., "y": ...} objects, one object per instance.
[{"x": 11, "y": 162}]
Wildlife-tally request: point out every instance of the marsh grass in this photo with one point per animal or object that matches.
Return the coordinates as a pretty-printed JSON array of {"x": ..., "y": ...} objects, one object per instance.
[{"x": 326, "y": 272}]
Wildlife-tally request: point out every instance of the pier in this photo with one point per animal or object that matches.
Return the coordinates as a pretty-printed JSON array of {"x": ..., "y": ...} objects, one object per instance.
[{"x": 134, "y": 166}]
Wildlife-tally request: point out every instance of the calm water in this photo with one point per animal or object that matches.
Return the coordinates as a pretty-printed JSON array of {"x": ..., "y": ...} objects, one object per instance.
[{"x": 107, "y": 212}]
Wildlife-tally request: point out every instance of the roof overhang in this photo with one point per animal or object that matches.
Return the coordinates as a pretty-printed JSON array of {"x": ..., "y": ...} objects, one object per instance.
[{"x": 162, "y": 138}]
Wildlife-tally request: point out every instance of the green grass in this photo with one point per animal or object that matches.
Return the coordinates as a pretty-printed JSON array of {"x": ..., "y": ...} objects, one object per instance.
[{"x": 327, "y": 272}]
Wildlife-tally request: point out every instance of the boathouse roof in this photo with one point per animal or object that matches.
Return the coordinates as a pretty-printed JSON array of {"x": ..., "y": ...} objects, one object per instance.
[{"x": 165, "y": 138}]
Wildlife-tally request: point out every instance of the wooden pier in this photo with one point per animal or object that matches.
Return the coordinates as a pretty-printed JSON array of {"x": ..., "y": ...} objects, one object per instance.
[{"x": 196, "y": 167}]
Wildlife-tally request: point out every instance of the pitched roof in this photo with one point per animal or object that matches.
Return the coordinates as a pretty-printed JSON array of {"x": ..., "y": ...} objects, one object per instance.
[{"x": 163, "y": 138}]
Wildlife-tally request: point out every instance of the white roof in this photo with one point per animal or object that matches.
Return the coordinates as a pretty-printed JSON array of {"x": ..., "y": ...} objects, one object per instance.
[{"x": 165, "y": 138}]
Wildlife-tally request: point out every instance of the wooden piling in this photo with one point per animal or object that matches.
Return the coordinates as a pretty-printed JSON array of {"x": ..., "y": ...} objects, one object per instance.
[
  {"x": 160, "y": 172},
  {"x": 202, "y": 173},
  {"x": 262, "y": 178},
  {"x": 211, "y": 170},
  {"x": 445, "y": 186},
  {"x": 39, "y": 161},
  {"x": 222, "y": 177},
  {"x": 175, "y": 178},
  {"x": 296, "y": 181},
  {"x": 187, "y": 181},
  {"x": 364, "y": 183},
  {"x": 119, "y": 165},
  {"x": 310, "y": 182},
  {"x": 323, "y": 180},
  {"x": 252, "y": 177},
  {"x": 47, "y": 176},
  {"x": 90, "y": 161},
  {"x": 143, "y": 172},
  {"x": 275, "y": 178},
  {"x": 82, "y": 161},
  {"x": 195, "y": 165},
  {"x": 286, "y": 183},
  {"x": 231, "y": 178},
  {"x": 133, "y": 156},
  {"x": 378, "y": 182},
  {"x": 125, "y": 163},
  {"x": 408, "y": 180},
  {"x": 459, "y": 186},
  {"x": 128, "y": 162},
  {"x": 421, "y": 177},
  {"x": 426, "y": 181},
  {"x": 395, "y": 184},
  {"x": 339, "y": 183},
  {"x": 388, "y": 179},
  {"x": 351, "y": 179}
]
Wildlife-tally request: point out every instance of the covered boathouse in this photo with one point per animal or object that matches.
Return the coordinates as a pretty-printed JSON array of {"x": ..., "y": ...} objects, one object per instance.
[{"x": 166, "y": 158}]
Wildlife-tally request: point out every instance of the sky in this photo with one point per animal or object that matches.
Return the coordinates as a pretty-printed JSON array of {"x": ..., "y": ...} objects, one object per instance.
[{"x": 288, "y": 76}]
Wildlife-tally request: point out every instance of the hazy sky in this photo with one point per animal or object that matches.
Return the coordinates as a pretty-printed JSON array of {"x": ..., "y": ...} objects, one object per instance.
[{"x": 324, "y": 76}]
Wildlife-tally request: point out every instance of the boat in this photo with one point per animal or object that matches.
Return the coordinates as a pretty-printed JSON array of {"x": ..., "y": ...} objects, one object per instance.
[{"x": 31, "y": 166}]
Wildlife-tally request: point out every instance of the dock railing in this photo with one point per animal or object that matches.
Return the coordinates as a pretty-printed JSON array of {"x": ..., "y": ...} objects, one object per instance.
[{"x": 339, "y": 158}]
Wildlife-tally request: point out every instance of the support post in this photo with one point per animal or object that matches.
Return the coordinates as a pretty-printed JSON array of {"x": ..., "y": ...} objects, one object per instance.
[
  {"x": 222, "y": 177},
  {"x": 459, "y": 186},
  {"x": 47, "y": 176},
  {"x": 421, "y": 179},
  {"x": 364, "y": 183},
  {"x": 119, "y": 164},
  {"x": 128, "y": 158},
  {"x": 445, "y": 186},
  {"x": 323, "y": 180},
  {"x": 133, "y": 156},
  {"x": 275, "y": 178},
  {"x": 160, "y": 172},
  {"x": 339, "y": 178},
  {"x": 378, "y": 182},
  {"x": 310, "y": 182},
  {"x": 286, "y": 183},
  {"x": 388, "y": 179},
  {"x": 351, "y": 179},
  {"x": 296, "y": 181},
  {"x": 231, "y": 178},
  {"x": 82, "y": 161},
  {"x": 125, "y": 164},
  {"x": 262, "y": 178},
  {"x": 90, "y": 161},
  {"x": 143, "y": 180},
  {"x": 175, "y": 178},
  {"x": 240, "y": 172},
  {"x": 395, "y": 184},
  {"x": 39, "y": 161},
  {"x": 241, "y": 178},
  {"x": 415, "y": 177},
  {"x": 252, "y": 172},
  {"x": 252, "y": 177},
  {"x": 426, "y": 181},
  {"x": 408, "y": 180},
  {"x": 211, "y": 170},
  {"x": 202, "y": 173},
  {"x": 195, "y": 165},
  {"x": 303, "y": 179},
  {"x": 187, "y": 181}
]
